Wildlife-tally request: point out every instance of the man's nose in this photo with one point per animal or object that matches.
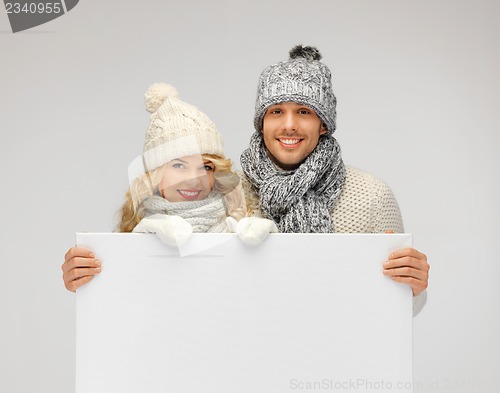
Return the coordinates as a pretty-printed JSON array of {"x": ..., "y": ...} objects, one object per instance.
[{"x": 289, "y": 122}]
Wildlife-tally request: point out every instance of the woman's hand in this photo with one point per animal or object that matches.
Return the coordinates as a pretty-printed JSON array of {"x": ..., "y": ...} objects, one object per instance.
[{"x": 79, "y": 267}]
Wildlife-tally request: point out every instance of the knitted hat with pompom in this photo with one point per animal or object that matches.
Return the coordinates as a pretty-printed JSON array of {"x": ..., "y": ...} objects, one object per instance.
[
  {"x": 177, "y": 128},
  {"x": 302, "y": 79}
]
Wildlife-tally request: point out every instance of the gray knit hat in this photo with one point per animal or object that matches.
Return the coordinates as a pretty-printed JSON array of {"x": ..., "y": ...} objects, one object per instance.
[
  {"x": 302, "y": 79},
  {"x": 177, "y": 128}
]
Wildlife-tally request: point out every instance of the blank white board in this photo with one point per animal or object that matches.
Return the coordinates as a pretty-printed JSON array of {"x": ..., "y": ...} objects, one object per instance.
[{"x": 299, "y": 312}]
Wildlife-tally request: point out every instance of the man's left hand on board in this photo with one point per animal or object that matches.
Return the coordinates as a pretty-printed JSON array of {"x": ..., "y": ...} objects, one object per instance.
[{"x": 408, "y": 266}]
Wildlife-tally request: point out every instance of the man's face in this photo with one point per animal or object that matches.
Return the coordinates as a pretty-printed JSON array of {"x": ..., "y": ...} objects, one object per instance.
[{"x": 291, "y": 132}]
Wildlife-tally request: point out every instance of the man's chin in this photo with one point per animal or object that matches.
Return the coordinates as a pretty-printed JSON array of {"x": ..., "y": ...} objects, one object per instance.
[
  {"x": 288, "y": 164},
  {"x": 286, "y": 161}
]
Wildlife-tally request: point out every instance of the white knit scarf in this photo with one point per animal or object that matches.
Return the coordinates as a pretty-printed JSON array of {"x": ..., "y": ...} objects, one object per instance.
[
  {"x": 207, "y": 215},
  {"x": 299, "y": 201}
]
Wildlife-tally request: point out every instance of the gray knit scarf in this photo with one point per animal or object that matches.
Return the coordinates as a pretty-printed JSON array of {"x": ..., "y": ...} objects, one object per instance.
[
  {"x": 299, "y": 201},
  {"x": 207, "y": 215}
]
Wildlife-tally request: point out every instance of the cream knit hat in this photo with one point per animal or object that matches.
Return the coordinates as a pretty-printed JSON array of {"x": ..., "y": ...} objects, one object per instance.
[{"x": 177, "y": 128}]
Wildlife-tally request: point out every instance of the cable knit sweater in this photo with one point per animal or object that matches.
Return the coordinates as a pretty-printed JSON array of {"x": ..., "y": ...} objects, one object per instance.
[{"x": 366, "y": 205}]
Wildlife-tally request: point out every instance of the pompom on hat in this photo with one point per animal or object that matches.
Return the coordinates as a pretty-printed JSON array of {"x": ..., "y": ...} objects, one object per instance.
[
  {"x": 177, "y": 128},
  {"x": 302, "y": 79}
]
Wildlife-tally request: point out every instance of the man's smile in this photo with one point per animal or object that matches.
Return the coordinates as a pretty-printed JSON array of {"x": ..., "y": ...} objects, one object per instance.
[{"x": 289, "y": 143}]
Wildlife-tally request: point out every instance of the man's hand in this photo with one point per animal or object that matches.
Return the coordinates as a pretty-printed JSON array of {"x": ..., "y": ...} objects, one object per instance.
[
  {"x": 79, "y": 267},
  {"x": 408, "y": 266}
]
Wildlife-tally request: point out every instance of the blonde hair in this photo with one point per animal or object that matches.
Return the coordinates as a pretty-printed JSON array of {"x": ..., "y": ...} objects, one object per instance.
[{"x": 147, "y": 185}]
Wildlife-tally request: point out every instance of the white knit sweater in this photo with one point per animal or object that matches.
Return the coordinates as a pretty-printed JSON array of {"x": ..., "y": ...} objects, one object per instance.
[{"x": 366, "y": 205}]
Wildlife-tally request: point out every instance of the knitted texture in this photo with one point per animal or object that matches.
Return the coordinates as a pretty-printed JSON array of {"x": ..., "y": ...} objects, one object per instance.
[
  {"x": 207, "y": 215},
  {"x": 366, "y": 204},
  {"x": 302, "y": 79},
  {"x": 177, "y": 128},
  {"x": 299, "y": 201}
]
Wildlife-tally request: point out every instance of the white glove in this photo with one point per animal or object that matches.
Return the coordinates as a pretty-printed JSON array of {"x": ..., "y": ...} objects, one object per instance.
[
  {"x": 231, "y": 224},
  {"x": 253, "y": 230},
  {"x": 172, "y": 230}
]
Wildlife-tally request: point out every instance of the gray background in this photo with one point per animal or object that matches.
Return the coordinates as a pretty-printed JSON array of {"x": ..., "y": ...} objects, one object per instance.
[{"x": 417, "y": 86}]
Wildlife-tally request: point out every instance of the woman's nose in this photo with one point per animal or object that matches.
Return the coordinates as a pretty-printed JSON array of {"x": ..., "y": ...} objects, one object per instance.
[{"x": 192, "y": 179}]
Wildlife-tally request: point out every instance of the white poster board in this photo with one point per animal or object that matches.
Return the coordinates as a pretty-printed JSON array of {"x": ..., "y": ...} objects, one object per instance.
[{"x": 299, "y": 312}]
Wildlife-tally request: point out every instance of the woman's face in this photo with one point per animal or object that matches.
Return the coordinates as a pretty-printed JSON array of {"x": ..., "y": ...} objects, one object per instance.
[{"x": 188, "y": 178}]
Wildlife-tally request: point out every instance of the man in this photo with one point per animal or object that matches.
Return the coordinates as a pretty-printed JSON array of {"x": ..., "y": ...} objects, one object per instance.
[{"x": 294, "y": 173}]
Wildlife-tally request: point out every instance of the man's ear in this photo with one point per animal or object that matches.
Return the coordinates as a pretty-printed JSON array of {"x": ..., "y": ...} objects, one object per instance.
[{"x": 323, "y": 130}]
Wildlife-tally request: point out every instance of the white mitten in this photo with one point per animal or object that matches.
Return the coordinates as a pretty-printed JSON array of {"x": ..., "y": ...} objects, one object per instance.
[
  {"x": 232, "y": 224},
  {"x": 172, "y": 230},
  {"x": 253, "y": 230}
]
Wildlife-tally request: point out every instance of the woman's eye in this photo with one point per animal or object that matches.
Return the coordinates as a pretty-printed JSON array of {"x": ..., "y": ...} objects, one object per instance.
[
  {"x": 207, "y": 168},
  {"x": 177, "y": 166},
  {"x": 304, "y": 112}
]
